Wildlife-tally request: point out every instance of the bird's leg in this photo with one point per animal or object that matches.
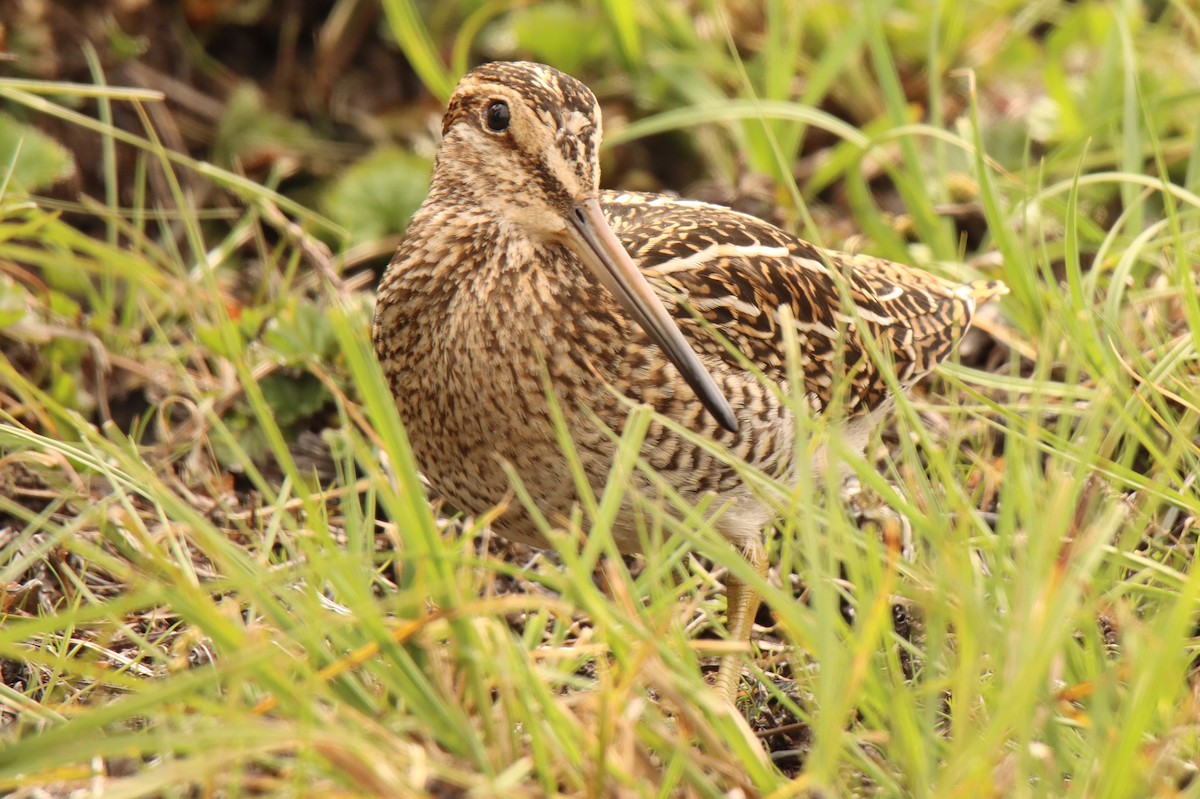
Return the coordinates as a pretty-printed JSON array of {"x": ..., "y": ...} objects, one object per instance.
[{"x": 741, "y": 606}]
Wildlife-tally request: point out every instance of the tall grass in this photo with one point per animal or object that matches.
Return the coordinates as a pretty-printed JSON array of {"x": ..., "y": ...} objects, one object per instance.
[{"x": 292, "y": 634}]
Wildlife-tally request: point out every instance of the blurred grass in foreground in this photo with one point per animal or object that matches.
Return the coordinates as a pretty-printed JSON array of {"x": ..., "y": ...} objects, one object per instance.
[{"x": 173, "y": 624}]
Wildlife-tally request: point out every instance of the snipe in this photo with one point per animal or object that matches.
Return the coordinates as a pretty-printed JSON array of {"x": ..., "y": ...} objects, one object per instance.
[{"x": 519, "y": 266}]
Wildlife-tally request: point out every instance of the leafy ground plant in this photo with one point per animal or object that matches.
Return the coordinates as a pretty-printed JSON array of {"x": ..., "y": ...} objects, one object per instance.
[{"x": 221, "y": 573}]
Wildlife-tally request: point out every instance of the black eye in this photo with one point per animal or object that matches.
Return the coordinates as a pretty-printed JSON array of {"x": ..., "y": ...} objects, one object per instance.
[{"x": 498, "y": 116}]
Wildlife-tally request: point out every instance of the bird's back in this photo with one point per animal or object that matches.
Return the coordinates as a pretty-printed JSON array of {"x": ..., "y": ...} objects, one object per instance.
[{"x": 737, "y": 273}]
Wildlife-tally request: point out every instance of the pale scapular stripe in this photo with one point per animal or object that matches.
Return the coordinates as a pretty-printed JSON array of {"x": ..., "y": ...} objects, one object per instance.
[
  {"x": 730, "y": 301},
  {"x": 689, "y": 262}
]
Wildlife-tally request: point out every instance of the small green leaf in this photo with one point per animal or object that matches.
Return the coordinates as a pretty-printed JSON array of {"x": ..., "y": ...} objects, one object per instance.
[
  {"x": 299, "y": 332},
  {"x": 294, "y": 398},
  {"x": 250, "y": 131},
  {"x": 210, "y": 336},
  {"x": 562, "y": 34},
  {"x": 377, "y": 196},
  {"x": 36, "y": 160}
]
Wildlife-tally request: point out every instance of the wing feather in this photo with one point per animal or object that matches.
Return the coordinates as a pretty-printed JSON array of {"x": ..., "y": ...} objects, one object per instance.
[{"x": 736, "y": 272}]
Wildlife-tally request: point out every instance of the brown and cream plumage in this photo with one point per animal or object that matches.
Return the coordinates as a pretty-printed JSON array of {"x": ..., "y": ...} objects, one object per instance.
[{"x": 518, "y": 266}]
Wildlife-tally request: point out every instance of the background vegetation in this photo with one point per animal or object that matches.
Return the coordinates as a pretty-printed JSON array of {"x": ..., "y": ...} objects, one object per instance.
[{"x": 220, "y": 573}]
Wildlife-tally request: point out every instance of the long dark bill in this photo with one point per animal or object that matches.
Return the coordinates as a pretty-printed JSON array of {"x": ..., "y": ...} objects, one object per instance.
[{"x": 602, "y": 252}]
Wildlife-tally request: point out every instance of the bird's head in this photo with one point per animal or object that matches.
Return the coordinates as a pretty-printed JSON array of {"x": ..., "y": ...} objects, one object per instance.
[
  {"x": 520, "y": 143},
  {"x": 523, "y": 139}
]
